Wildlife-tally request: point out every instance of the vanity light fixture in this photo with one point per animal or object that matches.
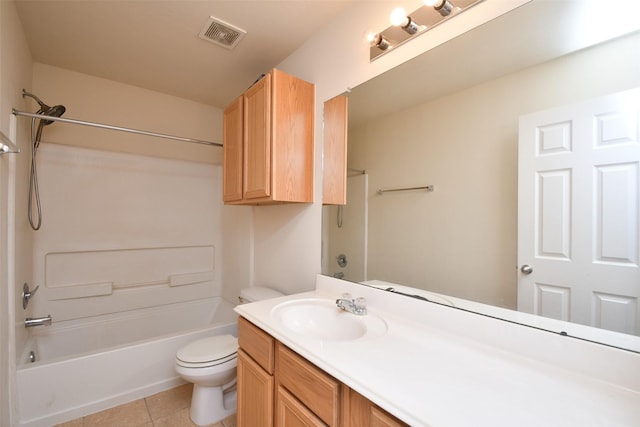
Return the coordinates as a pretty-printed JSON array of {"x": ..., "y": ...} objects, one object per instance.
[
  {"x": 444, "y": 7},
  {"x": 406, "y": 26},
  {"x": 399, "y": 18},
  {"x": 377, "y": 40}
]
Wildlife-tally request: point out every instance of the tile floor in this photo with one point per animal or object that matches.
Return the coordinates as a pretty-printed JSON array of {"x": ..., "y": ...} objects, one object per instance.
[{"x": 166, "y": 409}]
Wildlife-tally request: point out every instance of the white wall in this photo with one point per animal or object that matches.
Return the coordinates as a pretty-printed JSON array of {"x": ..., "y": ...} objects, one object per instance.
[
  {"x": 15, "y": 241},
  {"x": 461, "y": 240},
  {"x": 99, "y": 100}
]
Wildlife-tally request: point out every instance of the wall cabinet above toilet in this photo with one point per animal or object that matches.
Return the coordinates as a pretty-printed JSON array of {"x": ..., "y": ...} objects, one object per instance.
[{"x": 268, "y": 137}]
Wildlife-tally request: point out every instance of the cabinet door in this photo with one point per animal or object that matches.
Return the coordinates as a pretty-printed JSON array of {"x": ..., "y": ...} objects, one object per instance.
[
  {"x": 255, "y": 393},
  {"x": 334, "y": 165},
  {"x": 358, "y": 411},
  {"x": 380, "y": 418},
  {"x": 291, "y": 413},
  {"x": 257, "y": 140},
  {"x": 232, "y": 152},
  {"x": 313, "y": 387}
]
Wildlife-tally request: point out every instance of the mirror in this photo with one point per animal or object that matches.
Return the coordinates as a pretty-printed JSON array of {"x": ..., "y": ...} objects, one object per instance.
[{"x": 449, "y": 118}]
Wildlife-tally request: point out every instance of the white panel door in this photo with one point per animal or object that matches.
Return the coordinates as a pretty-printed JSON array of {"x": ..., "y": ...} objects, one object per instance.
[{"x": 579, "y": 213}]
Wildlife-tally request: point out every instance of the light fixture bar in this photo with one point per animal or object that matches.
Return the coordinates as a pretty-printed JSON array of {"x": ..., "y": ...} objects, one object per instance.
[{"x": 405, "y": 27}]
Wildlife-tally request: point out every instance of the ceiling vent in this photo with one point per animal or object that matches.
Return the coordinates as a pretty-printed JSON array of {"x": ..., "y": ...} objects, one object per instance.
[{"x": 222, "y": 33}]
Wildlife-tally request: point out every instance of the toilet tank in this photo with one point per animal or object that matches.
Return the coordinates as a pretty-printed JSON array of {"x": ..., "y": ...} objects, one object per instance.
[{"x": 258, "y": 293}]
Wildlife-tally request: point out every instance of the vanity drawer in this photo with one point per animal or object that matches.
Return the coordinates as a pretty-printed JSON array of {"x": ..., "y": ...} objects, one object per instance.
[
  {"x": 311, "y": 386},
  {"x": 257, "y": 344}
]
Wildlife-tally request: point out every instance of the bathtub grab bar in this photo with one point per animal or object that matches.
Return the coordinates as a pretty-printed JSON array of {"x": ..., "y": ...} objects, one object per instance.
[{"x": 30, "y": 322}]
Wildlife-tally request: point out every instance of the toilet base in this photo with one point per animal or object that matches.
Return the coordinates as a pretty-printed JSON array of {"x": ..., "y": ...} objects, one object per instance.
[{"x": 210, "y": 404}]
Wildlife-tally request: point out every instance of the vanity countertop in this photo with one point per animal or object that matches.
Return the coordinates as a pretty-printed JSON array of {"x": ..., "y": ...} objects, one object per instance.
[{"x": 436, "y": 366}]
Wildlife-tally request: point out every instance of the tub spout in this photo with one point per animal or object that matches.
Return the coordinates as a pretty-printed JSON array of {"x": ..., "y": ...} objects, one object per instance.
[{"x": 37, "y": 321}]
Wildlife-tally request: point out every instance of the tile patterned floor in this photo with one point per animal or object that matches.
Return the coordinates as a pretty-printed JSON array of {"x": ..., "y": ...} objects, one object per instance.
[{"x": 166, "y": 409}]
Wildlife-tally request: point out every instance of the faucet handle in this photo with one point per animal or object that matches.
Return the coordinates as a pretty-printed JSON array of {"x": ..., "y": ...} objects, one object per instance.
[
  {"x": 347, "y": 295},
  {"x": 361, "y": 305},
  {"x": 27, "y": 294}
]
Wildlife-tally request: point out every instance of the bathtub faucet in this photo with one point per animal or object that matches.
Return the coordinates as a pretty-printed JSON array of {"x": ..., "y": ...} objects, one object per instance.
[{"x": 37, "y": 321}]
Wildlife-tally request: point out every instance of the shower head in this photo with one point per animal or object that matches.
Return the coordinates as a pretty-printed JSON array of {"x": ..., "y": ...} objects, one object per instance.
[{"x": 55, "y": 111}]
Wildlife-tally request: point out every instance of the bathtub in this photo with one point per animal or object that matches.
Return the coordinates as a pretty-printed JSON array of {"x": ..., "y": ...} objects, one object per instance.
[{"x": 93, "y": 364}]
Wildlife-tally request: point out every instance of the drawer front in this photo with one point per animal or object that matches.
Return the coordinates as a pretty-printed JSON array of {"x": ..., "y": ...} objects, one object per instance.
[
  {"x": 257, "y": 343},
  {"x": 314, "y": 388},
  {"x": 381, "y": 418},
  {"x": 291, "y": 413}
]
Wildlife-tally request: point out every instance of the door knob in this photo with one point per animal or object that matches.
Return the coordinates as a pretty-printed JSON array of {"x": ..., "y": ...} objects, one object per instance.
[{"x": 526, "y": 269}]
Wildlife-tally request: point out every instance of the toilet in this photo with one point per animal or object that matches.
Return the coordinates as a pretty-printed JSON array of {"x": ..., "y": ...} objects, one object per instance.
[{"x": 210, "y": 364}]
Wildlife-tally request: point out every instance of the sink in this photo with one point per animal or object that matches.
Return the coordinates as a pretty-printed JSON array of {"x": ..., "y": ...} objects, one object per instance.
[{"x": 321, "y": 319}]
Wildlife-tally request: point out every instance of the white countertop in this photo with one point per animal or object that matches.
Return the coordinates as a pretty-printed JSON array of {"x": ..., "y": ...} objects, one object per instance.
[{"x": 435, "y": 366}]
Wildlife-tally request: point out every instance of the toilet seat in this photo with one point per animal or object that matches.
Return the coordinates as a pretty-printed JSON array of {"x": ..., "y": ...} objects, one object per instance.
[{"x": 207, "y": 352}]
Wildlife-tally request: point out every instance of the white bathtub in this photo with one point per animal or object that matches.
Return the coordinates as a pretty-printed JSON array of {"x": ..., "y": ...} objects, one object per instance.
[{"x": 86, "y": 366}]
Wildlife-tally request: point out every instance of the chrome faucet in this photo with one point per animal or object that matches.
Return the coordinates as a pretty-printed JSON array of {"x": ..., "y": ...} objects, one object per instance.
[
  {"x": 352, "y": 305},
  {"x": 37, "y": 321}
]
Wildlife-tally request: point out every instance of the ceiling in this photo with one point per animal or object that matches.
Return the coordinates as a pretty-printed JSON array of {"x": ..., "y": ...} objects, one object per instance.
[{"x": 154, "y": 44}]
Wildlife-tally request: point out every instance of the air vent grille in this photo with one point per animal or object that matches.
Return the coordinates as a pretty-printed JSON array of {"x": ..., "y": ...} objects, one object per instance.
[{"x": 222, "y": 33}]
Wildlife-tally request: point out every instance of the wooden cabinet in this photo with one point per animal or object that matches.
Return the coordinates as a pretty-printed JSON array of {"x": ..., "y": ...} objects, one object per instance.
[
  {"x": 334, "y": 164},
  {"x": 278, "y": 387},
  {"x": 255, "y": 376},
  {"x": 268, "y": 135}
]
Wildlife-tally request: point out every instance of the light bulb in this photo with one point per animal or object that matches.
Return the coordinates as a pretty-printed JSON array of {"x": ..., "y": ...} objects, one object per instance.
[
  {"x": 444, "y": 7},
  {"x": 376, "y": 40},
  {"x": 398, "y": 17}
]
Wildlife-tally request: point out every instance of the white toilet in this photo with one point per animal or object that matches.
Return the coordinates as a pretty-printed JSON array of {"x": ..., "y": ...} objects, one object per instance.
[{"x": 210, "y": 364}]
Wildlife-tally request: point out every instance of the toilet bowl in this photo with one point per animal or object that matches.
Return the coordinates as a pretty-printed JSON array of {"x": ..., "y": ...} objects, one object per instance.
[{"x": 210, "y": 364}]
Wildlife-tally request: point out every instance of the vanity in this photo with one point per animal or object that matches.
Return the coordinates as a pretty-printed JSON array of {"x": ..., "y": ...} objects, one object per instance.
[{"x": 303, "y": 361}]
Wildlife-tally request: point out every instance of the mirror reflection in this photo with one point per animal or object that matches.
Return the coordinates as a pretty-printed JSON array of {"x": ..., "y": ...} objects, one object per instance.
[{"x": 450, "y": 118}]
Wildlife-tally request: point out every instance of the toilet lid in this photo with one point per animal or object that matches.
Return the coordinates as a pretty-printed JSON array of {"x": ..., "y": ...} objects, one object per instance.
[{"x": 209, "y": 350}]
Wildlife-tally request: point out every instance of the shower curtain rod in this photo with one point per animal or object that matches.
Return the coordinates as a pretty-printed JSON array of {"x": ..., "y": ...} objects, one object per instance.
[{"x": 111, "y": 127}]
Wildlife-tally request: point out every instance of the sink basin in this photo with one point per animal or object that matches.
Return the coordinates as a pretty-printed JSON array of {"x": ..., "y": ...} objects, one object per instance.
[{"x": 321, "y": 319}]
